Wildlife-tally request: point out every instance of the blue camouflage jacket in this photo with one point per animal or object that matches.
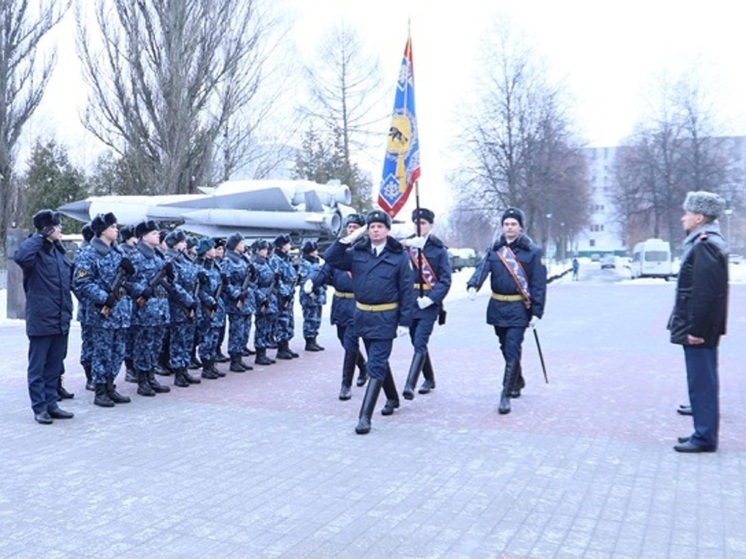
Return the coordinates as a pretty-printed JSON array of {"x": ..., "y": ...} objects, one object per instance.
[
  {"x": 307, "y": 269},
  {"x": 151, "y": 308}
]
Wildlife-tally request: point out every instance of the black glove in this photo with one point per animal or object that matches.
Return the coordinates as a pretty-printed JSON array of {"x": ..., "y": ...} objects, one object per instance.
[
  {"x": 202, "y": 277},
  {"x": 277, "y": 276},
  {"x": 224, "y": 279},
  {"x": 126, "y": 265},
  {"x": 147, "y": 294},
  {"x": 193, "y": 306},
  {"x": 169, "y": 269},
  {"x": 110, "y": 301},
  {"x": 213, "y": 306}
]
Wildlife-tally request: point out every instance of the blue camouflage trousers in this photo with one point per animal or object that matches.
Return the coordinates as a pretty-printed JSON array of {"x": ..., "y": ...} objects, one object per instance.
[
  {"x": 311, "y": 320},
  {"x": 108, "y": 353},
  {"x": 285, "y": 324},
  {"x": 209, "y": 336},
  {"x": 147, "y": 346},
  {"x": 263, "y": 333},
  {"x": 181, "y": 341},
  {"x": 86, "y": 344},
  {"x": 239, "y": 328}
]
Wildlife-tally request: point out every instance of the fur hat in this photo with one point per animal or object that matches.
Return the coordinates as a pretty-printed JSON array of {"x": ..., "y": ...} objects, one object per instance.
[
  {"x": 126, "y": 232},
  {"x": 423, "y": 213},
  {"x": 205, "y": 244},
  {"x": 233, "y": 241},
  {"x": 87, "y": 232},
  {"x": 145, "y": 227},
  {"x": 102, "y": 222},
  {"x": 46, "y": 218},
  {"x": 515, "y": 213},
  {"x": 704, "y": 203},
  {"x": 282, "y": 240},
  {"x": 219, "y": 242},
  {"x": 260, "y": 244},
  {"x": 175, "y": 237},
  {"x": 378, "y": 216},
  {"x": 309, "y": 247},
  {"x": 355, "y": 218},
  {"x": 191, "y": 241}
]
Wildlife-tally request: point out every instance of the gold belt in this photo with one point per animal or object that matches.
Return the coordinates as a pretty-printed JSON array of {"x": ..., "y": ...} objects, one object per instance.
[
  {"x": 344, "y": 294},
  {"x": 422, "y": 285},
  {"x": 376, "y": 308},
  {"x": 501, "y": 297}
]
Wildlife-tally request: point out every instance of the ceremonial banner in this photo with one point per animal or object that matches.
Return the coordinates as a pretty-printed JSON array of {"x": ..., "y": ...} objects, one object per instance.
[{"x": 401, "y": 166}]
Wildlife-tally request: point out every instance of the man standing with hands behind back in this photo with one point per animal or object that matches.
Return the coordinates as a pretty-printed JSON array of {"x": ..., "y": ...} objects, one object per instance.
[
  {"x": 700, "y": 313},
  {"x": 47, "y": 281}
]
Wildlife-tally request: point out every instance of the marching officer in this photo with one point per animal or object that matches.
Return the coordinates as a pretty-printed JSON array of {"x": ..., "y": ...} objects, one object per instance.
[
  {"x": 382, "y": 284},
  {"x": 518, "y": 282},
  {"x": 433, "y": 280},
  {"x": 313, "y": 301}
]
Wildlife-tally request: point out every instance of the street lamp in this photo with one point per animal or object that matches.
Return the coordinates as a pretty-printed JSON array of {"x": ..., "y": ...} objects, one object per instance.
[{"x": 728, "y": 213}]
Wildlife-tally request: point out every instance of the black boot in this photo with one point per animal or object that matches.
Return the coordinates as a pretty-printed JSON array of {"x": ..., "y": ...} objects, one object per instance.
[
  {"x": 89, "y": 384},
  {"x": 427, "y": 371},
  {"x": 208, "y": 371},
  {"x": 392, "y": 397},
  {"x": 261, "y": 357},
  {"x": 362, "y": 377},
  {"x": 63, "y": 394},
  {"x": 348, "y": 370},
  {"x": 220, "y": 357},
  {"x": 418, "y": 359},
  {"x": 248, "y": 352},
  {"x": 520, "y": 383},
  {"x": 311, "y": 345},
  {"x": 509, "y": 379},
  {"x": 369, "y": 404},
  {"x": 143, "y": 386},
  {"x": 102, "y": 398},
  {"x": 179, "y": 378},
  {"x": 237, "y": 365},
  {"x": 157, "y": 387},
  {"x": 194, "y": 362},
  {"x": 290, "y": 350},
  {"x": 114, "y": 396},
  {"x": 189, "y": 378},
  {"x": 130, "y": 375},
  {"x": 283, "y": 351}
]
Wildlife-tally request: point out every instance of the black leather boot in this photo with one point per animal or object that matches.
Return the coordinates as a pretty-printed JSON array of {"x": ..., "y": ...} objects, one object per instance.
[
  {"x": 392, "y": 397},
  {"x": 348, "y": 370},
  {"x": 236, "y": 364},
  {"x": 427, "y": 371},
  {"x": 130, "y": 375},
  {"x": 189, "y": 378},
  {"x": 220, "y": 357},
  {"x": 311, "y": 345},
  {"x": 102, "y": 398},
  {"x": 157, "y": 387},
  {"x": 369, "y": 404},
  {"x": 207, "y": 370},
  {"x": 89, "y": 384},
  {"x": 520, "y": 383},
  {"x": 261, "y": 357},
  {"x": 509, "y": 379},
  {"x": 179, "y": 379},
  {"x": 143, "y": 386},
  {"x": 418, "y": 359},
  {"x": 63, "y": 394},
  {"x": 116, "y": 397},
  {"x": 194, "y": 362},
  {"x": 362, "y": 377},
  {"x": 283, "y": 351}
]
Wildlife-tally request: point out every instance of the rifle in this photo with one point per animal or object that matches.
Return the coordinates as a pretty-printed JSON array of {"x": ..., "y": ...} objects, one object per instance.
[
  {"x": 156, "y": 281},
  {"x": 125, "y": 269},
  {"x": 247, "y": 284},
  {"x": 270, "y": 290},
  {"x": 209, "y": 312}
]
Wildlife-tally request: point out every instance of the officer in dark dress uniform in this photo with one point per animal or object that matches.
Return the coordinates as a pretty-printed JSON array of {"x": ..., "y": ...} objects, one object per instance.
[{"x": 382, "y": 283}]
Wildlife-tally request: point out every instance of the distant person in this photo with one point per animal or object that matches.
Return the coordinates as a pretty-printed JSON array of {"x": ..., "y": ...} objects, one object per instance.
[
  {"x": 700, "y": 313},
  {"x": 518, "y": 282},
  {"x": 47, "y": 282},
  {"x": 575, "y": 269}
]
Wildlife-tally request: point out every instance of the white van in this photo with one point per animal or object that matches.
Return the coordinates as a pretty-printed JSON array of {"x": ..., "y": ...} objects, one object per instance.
[{"x": 652, "y": 259}]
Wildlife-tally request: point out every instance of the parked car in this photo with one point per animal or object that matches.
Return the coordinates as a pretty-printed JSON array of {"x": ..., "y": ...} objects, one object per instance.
[
  {"x": 735, "y": 259},
  {"x": 463, "y": 258},
  {"x": 608, "y": 261}
]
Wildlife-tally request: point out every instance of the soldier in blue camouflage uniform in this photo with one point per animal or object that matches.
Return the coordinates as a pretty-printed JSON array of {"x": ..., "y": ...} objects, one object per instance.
[
  {"x": 343, "y": 313},
  {"x": 239, "y": 300},
  {"x": 282, "y": 263},
  {"x": 211, "y": 312},
  {"x": 108, "y": 307},
  {"x": 86, "y": 339},
  {"x": 182, "y": 308},
  {"x": 266, "y": 302},
  {"x": 127, "y": 244},
  {"x": 220, "y": 357},
  {"x": 313, "y": 301},
  {"x": 151, "y": 315}
]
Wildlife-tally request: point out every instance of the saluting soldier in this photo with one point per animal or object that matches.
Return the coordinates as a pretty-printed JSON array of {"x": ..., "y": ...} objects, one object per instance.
[
  {"x": 382, "y": 283},
  {"x": 343, "y": 313},
  {"x": 282, "y": 263},
  {"x": 211, "y": 313},
  {"x": 266, "y": 302},
  {"x": 432, "y": 281},
  {"x": 151, "y": 315},
  {"x": 239, "y": 300},
  {"x": 100, "y": 283},
  {"x": 312, "y": 302},
  {"x": 518, "y": 282}
]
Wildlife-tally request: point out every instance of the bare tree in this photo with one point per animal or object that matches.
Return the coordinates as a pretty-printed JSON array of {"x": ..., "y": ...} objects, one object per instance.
[
  {"x": 166, "y": 79},
  {"x": 24, "y": 75}
]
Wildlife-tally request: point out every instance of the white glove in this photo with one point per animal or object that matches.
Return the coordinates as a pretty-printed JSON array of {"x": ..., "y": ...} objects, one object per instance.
[
  {"x": 354, "y": 236},
  {"x": 308, "y": 287},
  {"x": 534, "y": 321},
  {"x": 424, "y": 302},
  {"x": 401, "y": 331},
  {"x": 416, "y": 242},
  {"x": 472, "y": 292}
]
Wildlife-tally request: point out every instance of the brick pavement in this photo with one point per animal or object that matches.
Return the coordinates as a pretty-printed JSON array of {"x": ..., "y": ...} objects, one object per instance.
[{"x": 266, "y": 463}]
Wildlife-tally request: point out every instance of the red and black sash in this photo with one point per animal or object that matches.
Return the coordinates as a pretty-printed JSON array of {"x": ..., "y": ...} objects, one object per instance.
[
  {"x": 516, "y": 271},
  {"x": 427, "y": 273}
]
